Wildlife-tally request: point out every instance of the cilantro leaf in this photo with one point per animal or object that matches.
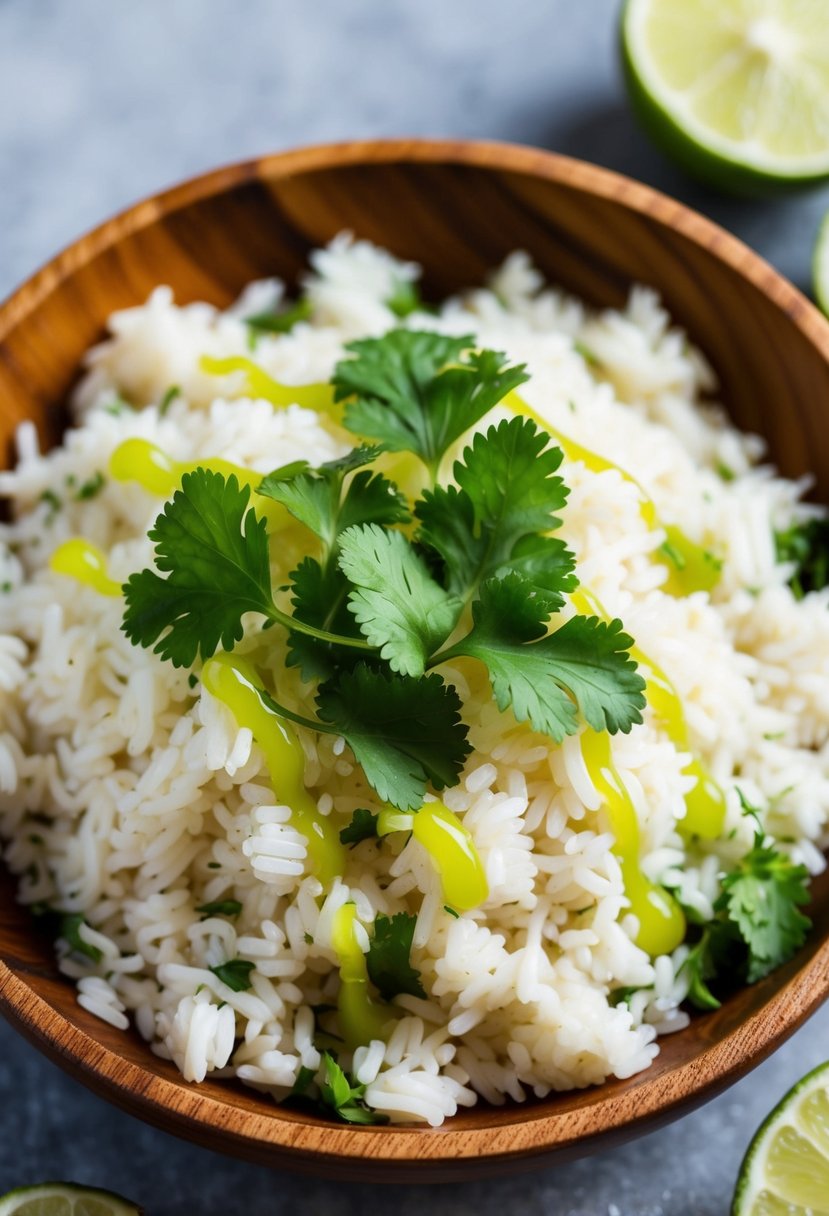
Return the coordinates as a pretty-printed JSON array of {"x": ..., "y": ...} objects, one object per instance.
[
  {"x": 388, "y": 958},
  {"x": 397, "y": 604},
  {"x": 806, "y": 544},
  {"x": 621, "y": 996},
  {"x": 342, "y": 1097},
  {"x": 316, "y": 499},
  {"x": 220, "y": 907},
  {"x": 215, "y": 553},
  {"x": 404, "y": 732},
  {"x": 509, "y": 497},
  {"x": 280, "y": 321},
  {"x": 235, "y": 973},
  {"x": 404, "y": 299},
  {"x": 761, "y": 897},
  {"x": 70, "y": 925},
  {"x": 583, "y": 666},
  {"x": 363, "y": 826},
  {"x": 319, "y": 596},
  {"x": 700, "y": 968},
  {"x": 419, "y": 391}
]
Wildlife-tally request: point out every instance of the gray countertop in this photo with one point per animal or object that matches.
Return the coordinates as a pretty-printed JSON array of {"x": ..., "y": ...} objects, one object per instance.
[{"x": 102, "y": 103}]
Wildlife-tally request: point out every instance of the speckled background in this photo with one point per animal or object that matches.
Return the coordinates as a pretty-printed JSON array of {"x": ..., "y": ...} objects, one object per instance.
[{"x": 101, "y": 103}]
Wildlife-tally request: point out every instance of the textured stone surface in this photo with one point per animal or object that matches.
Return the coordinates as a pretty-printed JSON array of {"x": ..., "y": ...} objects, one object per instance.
[{"x": 101, "y": 103}]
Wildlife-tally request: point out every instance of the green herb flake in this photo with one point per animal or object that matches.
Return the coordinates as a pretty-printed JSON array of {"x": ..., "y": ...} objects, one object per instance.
[
  {"x": 342, "y": 1097},
  {"x": 621, "y": 996},
  {"x": 91, "y": 488},
  {"x": 805, "y": 544},
  {"x": 235, "y": 973},
  {"x": 70, "y": 926},
  {"x": 280, "y": 321},
  {"x": 220, "y": 907},
  {"x": 363, "y": 826},
  {"x": 167, "y": 400},
  {"x": 388, "y": 958}
]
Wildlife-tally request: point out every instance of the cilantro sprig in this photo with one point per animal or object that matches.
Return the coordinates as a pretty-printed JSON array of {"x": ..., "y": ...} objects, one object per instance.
[
  {"x": 390, "y": 592},
  {"x": 757, "y": 922},
  {"x": 337, "y": 1094}
]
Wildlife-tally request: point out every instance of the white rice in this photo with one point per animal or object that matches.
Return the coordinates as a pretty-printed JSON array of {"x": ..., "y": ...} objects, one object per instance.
[{"x": 129, "y": 798}]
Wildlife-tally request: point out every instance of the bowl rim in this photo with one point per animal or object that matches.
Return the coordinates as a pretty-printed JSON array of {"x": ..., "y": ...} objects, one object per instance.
[{"x": 182, "y": 1108}]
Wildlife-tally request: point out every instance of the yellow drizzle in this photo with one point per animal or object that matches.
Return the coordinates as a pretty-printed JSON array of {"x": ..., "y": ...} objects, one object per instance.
[
  {"x": 143, "y": 462},
  {"x": 258, "y": 383},
  {"x": 705, "y": 802},
  {"x": 233, "y": 681},
  {"x": 695, "y": 569},
  {"x": 661, "y": 922},
  {"x": 79, "y": 559},
  {"x": 450, "y": 846},
  {"x": 361, "y": 1018}
]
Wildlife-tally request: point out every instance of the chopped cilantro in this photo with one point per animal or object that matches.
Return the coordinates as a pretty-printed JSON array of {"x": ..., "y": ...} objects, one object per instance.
[
  {"x": 91, "y": 487},
  {"x": 363, "y": 826},
  {"x": 388, "y": 958},
  {"x": 586, "y": 353},
  {"x": 621, "y": 996},
  {"x": 451, "y": 912},
  {"x": 342, "y": 1097},
  {"x": 725, "y": 472},
  {"x": 761, "y": 897},
  {"x": 807, "y": 545},
  {"x": 70, "y": 925},
  {"x": 757, "y": 923},
  {"x": 404, "y": 299},
  {"x": 235, "y": 973},
  {"x": 220, "y": 907},
  {"x": 280, "y": 321},
  {"x": 167, "y": 400}
]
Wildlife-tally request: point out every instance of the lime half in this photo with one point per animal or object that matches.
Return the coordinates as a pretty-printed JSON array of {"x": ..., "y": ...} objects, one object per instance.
[
  {"x": 820, "y": 266},
  {"x": 65, "y": 1199},
  {"x": 786, "y": 1169},
  {"x": 736, "y": 90}
]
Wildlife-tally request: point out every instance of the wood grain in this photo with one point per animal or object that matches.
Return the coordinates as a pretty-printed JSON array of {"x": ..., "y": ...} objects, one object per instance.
[{"x": 458, "y": 209}]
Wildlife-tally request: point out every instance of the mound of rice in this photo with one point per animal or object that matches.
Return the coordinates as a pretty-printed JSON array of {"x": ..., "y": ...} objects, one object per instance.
[{"x": 132, "y": 798}]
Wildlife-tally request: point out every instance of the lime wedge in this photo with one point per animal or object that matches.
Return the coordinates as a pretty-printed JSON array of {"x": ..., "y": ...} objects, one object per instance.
[
  {"x": 786, "y": 1168},
  {"x": 820, "y": 265},
  {"x": 65, "y": 1199},
  {"x": 735, "y": 90}
]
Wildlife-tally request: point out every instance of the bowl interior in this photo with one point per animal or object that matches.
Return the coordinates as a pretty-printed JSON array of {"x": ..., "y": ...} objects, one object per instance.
[{"x": 457, "y": 210}]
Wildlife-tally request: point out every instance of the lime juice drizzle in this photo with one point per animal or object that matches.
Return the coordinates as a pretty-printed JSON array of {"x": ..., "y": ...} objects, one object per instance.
[
  {"x": 705, "y": 803},
  {"x": 661, "y": 922},
  {"x": 694, "y": 569},
  {"x": 234, "y": 682},
  {"x": 83, "y": 561},
  {"x": 143, "y": 462},
  {"x": 258, "y": 383},
  {"x": 361, "y": 1018},
  {"x": 451, "y": 848}
]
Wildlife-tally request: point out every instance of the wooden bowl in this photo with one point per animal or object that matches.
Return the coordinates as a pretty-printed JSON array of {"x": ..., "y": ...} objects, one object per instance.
[{"x": 457, "y": 208}]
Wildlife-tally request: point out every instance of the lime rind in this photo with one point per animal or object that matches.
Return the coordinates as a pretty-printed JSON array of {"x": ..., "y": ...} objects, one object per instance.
[
  {"x": 737, "y": 166},
  {"x": 752, "y": 1183},
  {"x": 65, "y": 1199},
  {"x": 820, "y": 266}
]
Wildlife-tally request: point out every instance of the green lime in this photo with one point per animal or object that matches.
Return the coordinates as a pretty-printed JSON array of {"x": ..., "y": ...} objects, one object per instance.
[
  {"x": 786, "y": 1169},
  {"x": 65, "y": 1199},
  {"x": 737, "y": 92},
  {"x": 820, "y": 265}
]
